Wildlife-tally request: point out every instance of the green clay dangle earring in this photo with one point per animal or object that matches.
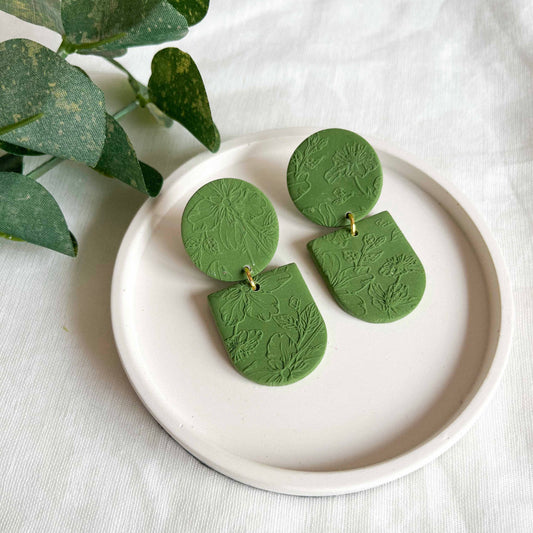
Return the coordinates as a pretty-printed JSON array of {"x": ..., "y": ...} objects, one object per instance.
[
  {"x": 334, "y": 179},
  {"x": 270, "y": 325}
]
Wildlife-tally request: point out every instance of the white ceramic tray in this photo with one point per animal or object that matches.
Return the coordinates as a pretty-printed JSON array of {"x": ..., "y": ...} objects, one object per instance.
[{"x": 386, "y": 399}]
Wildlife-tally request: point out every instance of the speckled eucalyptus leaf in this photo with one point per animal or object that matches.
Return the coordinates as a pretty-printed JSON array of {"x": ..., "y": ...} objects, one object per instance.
[
  {"x": 36, "y": 80},
  {"x": 176, "y": 87},
  {"x": 42, "y": 12},
  {"x": 193, "y": 10},
  {"x": 29, "y": 212},
  {"x": 11, "y": 163},
  {"x": 19, "y": 123},
  {"x": 119, "y": 161},
  {"x": 13, "y": 148},
  {"x": 146, "y": 22}
]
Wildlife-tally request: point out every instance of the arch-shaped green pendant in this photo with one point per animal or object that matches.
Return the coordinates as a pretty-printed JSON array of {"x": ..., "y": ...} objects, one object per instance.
[
  {"x": 376, "y": 275},
  {"x": 274, "y": 335}
]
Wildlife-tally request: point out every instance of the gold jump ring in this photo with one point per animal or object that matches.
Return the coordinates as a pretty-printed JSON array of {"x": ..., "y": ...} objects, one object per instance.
[
  {"x": 353, "y": 228},
  {"x": 250, "y": 279}
]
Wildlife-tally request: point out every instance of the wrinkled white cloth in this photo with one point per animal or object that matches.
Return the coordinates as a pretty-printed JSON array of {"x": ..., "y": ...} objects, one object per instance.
[{"x": 450, "y": 81}]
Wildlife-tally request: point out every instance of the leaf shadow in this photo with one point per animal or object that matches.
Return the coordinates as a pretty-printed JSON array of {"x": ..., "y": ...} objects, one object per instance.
[{"x": 90, "y": 297}]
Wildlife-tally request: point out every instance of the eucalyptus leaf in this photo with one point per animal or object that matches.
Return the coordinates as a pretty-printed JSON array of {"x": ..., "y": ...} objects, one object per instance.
[
  {"x": 36, "y": 80},
  {"x": 13, "y": 148},
  {"x": 162, "y": 24},
  {"x": 11, "y": 163},
  {"x": 176, "y": 88},
  {"x": 103, "y": 53},
  {"x": 119, "y": 161},
  {"x": 87, "y": 21},
  {"x": 193, "y": 10},
  {"x": 152, "y": 178},
  {"x": 42, "y": 12},
  {"x": 17, "y": 150},
  {"x": 29, "y": 212},
  {"x": 146, "y": 22}
]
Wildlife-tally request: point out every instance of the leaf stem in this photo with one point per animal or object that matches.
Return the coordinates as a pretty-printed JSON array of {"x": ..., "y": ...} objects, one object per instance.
[
  {"x": 96, "y": 44},
  {"x": 19, "y": 124},
  {"x": 115, "y": 63},
  {"x": 65, "y": 48},
  {"x": 141, "y": 92},
  {"x": 125, "y": 110},
  {"x": 37, "y": 172}
]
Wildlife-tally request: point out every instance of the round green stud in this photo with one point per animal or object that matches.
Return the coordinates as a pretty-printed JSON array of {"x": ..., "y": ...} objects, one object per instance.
[
  {"x": 332, "y": 173},
  {"x": 229, "y": 224}
]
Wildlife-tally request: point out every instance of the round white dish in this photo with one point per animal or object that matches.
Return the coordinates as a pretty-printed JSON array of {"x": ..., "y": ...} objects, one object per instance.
[{"x": 386, "y": 399}]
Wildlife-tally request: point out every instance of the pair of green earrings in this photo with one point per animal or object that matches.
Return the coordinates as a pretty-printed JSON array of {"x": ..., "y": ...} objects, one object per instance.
[{"x": 269, "y": 322}]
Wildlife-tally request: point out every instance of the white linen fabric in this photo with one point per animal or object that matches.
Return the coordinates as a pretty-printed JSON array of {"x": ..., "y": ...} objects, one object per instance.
[{"x": 450, "y": 81}]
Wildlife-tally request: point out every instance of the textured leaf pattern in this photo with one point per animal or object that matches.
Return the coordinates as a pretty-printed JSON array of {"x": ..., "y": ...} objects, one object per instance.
[
  {"x": 305, "y": 160},
  {"x": 276, "y": 335},
  {"x": 229, "y": 223},
  {"x": 91, "y": 21},
  {"x": 36, "y": 80},
  {"x": 29, "y": 212},
  {"x": 45, "y": 13},
  {"x": 334, "y": 172},
  {"x": 163, "y": 23},
  {"x": 375, "y": 276},
  {"x": 176, "y": 87}
]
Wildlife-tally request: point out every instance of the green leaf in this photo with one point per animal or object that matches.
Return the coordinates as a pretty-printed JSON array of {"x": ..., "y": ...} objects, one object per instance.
[
  {"x": 146, "y": 22},
  {"x": 17, "y": 150},
  {"x": 103, "y": 53},
  {"x": 11, "y": 163},
  {"x": 42, "y": 12},
  {"x": 152, "y": 178},
  {"x": 29, "y": 212},
  {"x": 193, "y": 10},
  {"x": 36, "y": 80},
  {"x": 13, "y": 148},
  {"x": 176, "y": 87},
  {"x": 119, "y": 161},
  {"x": 162, "y": 24}
]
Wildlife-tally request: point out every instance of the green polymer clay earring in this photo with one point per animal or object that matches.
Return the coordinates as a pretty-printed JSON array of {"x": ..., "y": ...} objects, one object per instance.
[
  {"x": 271, "y": 327},
  {"x": 334, "y": 179}
]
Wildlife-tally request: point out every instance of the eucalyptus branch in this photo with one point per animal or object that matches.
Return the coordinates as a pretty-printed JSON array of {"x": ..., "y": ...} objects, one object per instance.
[
  {"x": 37, "y": 172},
  {"x": 72, "y": 100},
  {"x": 64, "y": 48},
  {"x": 121, "y": 67},
  {"x": 125, "y": 110}
]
